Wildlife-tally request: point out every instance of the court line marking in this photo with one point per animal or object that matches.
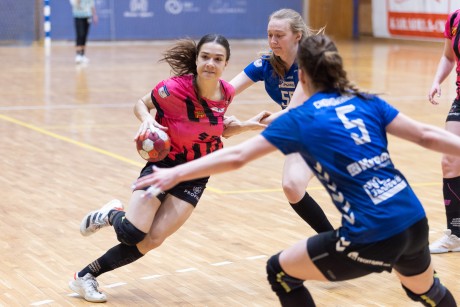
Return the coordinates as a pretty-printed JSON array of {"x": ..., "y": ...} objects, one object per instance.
[
  {"x": 192, "y": 269},
  {"x": 129, "y": 161}
]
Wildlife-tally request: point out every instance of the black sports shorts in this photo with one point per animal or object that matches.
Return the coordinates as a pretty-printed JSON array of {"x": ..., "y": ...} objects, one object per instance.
[
  {"x": 407, "y": 252},
  {"x": 189, "y": 191},
  {"x": 454, "y": 112}
]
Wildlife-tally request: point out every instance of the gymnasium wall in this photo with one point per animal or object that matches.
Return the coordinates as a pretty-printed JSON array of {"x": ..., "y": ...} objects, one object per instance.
[
  {"x": 17, "y": 21},
  {"x": 143, "y": 19}
]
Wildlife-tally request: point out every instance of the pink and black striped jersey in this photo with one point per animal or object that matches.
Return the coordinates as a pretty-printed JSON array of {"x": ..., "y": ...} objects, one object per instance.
[
  {"x": 195, "y": 125},
  {"x": 452, "y": 32}
]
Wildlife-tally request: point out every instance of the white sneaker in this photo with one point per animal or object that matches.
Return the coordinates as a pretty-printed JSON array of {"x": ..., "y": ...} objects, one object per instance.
[
  {"x": 86, "y": 287},
  {"x": 84, "y": 59},
  {"x": 447, "y": 243},
  {"x": 78, "y": 59},
  {"x": 98, "y": 219}
]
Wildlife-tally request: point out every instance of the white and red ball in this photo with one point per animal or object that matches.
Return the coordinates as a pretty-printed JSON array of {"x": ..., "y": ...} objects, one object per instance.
[{"x": 153, "y": 146}]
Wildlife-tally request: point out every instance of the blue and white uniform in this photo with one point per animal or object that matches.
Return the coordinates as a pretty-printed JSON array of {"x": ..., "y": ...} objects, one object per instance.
[
  {"x": 279, "y": 89},
  {"x": 343, "y": 140}
]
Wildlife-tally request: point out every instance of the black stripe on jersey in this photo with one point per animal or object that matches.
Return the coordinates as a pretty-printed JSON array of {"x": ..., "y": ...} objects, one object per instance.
[
  {"x": 209, "y": 114},
  {"x": 196, "y": 151},
  {"x": 191, "y": 110},
  {"x": 160, "y": 111}
]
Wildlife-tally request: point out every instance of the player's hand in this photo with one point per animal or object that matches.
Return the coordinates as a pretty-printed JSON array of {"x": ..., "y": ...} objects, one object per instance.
[
  {"x": 149, "y": 124},
  {"x": 232, "y": 126},
  {"x": 162, "y": 179},
  {"x": 260, "y": 117},
  {"x": 435, "y": 91}
]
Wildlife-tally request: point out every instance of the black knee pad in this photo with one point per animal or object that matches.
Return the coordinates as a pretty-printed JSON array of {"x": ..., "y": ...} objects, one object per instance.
[
  {"x": 279, "y": 280},
  {"x": 127, "y": 233},
  {"x": 432, "y": 297}
]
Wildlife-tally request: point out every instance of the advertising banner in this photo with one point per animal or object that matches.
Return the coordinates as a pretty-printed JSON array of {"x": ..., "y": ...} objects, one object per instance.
[
  {"x": 414, "y": 19},
  {"x": 172, "y": 19}
]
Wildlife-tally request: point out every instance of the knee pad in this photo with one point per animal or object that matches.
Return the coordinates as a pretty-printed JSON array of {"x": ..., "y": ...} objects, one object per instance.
[
  {"x": 127, "y": 233},
  {"x": 279, "y": 280},
  {"x": 432, "y": 297}
]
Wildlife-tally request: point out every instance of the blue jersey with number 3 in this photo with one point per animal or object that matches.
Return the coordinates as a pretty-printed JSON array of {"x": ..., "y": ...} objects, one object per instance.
[
  {"x": 279, "y": 89},
  {"x": 343, "y": 140}
]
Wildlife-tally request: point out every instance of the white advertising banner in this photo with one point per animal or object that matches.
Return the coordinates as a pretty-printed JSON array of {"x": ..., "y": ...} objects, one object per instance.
[{"x": 416, "y": 19}]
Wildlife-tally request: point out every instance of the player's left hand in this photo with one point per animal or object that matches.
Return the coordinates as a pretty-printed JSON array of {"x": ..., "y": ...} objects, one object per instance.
[{"x": 162, "y": 179}]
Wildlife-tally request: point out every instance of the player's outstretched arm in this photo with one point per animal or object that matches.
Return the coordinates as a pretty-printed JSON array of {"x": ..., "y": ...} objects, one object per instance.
[
  {"x": 224, "y": 160},
  {"x": 425, "y": 135},
  {"x": 234, "y": 126}
]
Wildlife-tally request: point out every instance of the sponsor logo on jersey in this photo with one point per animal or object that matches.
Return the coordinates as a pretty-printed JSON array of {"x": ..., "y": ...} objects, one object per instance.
[
  {"x": 218, "y": 110},
  {"x": 376, "y": 162},
  {"x": 380, "y": 190},
  {"x": 258, "y": 63},
  {"x": 330, "y": 102},
  {"x": 163, "y": 91},
  {"x": 199, "y": 114},
  {"x": 287, "y": 84}
]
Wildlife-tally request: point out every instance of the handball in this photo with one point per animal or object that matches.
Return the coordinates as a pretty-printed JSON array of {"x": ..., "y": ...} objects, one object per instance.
[{"x": 153, "y": 146}]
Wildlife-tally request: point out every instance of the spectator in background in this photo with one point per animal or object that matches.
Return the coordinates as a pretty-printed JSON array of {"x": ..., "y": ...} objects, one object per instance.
[{"x": 84, "y": 12}]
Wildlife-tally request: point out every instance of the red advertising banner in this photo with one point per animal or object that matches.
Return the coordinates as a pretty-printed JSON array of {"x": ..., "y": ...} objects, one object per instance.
[
  {"x": 416, "y": 24},
  {"x": 411, "y": 18}
]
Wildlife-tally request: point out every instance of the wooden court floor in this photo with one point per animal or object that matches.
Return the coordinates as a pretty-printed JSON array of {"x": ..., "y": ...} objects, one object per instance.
[{"x": 67, "y": 148}]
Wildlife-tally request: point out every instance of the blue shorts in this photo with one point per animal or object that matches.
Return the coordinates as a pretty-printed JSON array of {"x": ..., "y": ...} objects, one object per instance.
[
  {"x": 407, "y": 252},
  {"x": 189, "y": 191}
]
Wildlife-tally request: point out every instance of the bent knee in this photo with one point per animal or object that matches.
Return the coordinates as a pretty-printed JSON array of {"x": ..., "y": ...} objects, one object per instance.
[
  {"x": 450, "y": 166},
  {"x": 151, "y": 242},
  {"x": 127, "y": 233},
  {"x": 294, "y": 193}
]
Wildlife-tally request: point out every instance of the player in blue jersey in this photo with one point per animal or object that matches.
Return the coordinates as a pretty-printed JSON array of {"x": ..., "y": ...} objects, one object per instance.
[
  {"x": 278, "y": 70},
  {"x": 342, "y": 135}
]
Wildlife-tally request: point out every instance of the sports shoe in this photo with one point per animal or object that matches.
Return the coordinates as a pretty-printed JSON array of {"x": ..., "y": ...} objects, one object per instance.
[
  {"x": 86, "y": 287},
  {"x": 447, "y": 243},
  {"x": 84, "y": 59},
  {"x": 98, "y": 219},
  {"x": 78, "y": 59}
]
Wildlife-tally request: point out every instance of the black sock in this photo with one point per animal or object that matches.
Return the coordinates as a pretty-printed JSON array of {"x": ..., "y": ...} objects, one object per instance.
[
  {"x": 297, "y": 297},
  {"x": 311, "y": 212},
  {"x": 115, "y": 257},
  {"x": 448, "y": 300},
  {"x": 451, "y": 191},
  {"x": 115, "y": 216}
]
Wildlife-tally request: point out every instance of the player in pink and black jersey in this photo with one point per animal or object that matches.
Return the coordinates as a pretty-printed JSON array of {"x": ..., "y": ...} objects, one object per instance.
[
  {"x": 450, "y": 241},
  {"x": 190, "y": 107}
]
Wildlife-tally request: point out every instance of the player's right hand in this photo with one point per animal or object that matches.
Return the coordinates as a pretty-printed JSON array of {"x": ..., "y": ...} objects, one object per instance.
[
  {"x": 435, "y": 91},
  {"x": 149, "y": 124}
]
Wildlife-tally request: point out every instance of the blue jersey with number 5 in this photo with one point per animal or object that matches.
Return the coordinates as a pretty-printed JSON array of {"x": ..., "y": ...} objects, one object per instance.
[
  {"x": 343, "y": 140},
  {"x": 279, "y": 89}
]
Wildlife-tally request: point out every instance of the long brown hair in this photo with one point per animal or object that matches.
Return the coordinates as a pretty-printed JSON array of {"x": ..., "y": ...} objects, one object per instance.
[
  {"x": 319, "y": 58},
  {"x": 182, "y": 56}
]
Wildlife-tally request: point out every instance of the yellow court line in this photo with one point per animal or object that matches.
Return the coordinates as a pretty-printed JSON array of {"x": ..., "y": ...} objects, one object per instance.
[
  {"x": 69, "y": 140},
  {"x": 121, "y": 158}
]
